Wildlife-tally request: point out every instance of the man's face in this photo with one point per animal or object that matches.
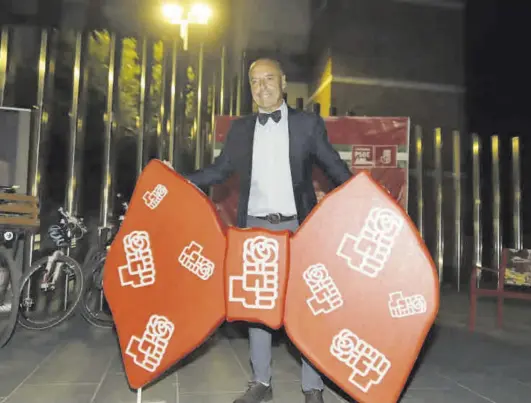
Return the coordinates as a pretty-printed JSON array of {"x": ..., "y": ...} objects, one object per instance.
[{"x": 267, "y": 85}]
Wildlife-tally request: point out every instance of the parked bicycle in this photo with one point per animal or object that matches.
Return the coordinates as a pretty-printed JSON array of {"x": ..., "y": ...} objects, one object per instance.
[
  {"x": 94, "y": 307},
  {"x": 53, "y": 286}
]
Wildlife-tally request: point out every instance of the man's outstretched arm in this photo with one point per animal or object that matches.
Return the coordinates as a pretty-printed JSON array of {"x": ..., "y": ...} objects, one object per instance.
[{"x": 219, "y": 170}]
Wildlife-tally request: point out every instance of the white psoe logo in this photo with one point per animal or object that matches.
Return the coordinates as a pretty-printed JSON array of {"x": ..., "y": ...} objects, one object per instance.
[
  {"x": 148, "y": 351},
  {"x": 257, "y": 287},
  {"x": 192, "y": 259},
  {"x": 140, "y": 268},
  {"x": 369, "y": 251},
  {"x": 153, "y": 198},
  {"x": 400, "y": 306},
  {"x": 325, "y": 294},
  {"x": 369, "y": 366}
]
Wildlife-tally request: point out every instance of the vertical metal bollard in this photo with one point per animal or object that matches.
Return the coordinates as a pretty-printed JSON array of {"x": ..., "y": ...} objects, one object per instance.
[
  {"x": 199, "y": 143},
  {"x": 496, "y": 202},
  {"x": 439, "y": 242},
  {"x": 38, "y": 117},
  {"x": 476, "y": 194},
  {"x": 222, "y": 81},
  {"x": 4, "y": 53},
  {"x": 161, "y": 124},
  {"x": 517, "y": 194},
  {"x": 233, "y": 82},
  {"x": 109, "y": 109},
  {"x": 458, "y": 219},
  {"x": 39, "y": 124},
  {"x": 316, "y": 107},
  {"x": 142, "y": 108},
  {"x": 81, "y": 119},
  {"x": 419, "y": 179},
  {"x": 238, "y": 106},
  {"x": 241, "y": 81},
  {"x": 173, "y": 104},
  {"x": 212, "y": 143},
  {"x": 75, "y": 138},
  {"x": 333, "y": 111},
  {"x": 73, "y": 131}
]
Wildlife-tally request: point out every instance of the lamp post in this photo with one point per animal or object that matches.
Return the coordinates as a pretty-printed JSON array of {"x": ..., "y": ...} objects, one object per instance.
[{"x": 196, "y": 14}]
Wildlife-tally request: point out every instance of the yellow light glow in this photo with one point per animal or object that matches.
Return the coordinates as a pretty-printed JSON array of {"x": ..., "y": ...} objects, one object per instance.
[
  {"x": 199, "y": 14},
  {"x": 173, "y": 13},
  {"x": 438, "y": 136},
  {"x": 516, "y": 144},
  {"x": 419, "y": 146},
  {"x": 475, "y": 144},
  {"x": 494, "y": 144}
]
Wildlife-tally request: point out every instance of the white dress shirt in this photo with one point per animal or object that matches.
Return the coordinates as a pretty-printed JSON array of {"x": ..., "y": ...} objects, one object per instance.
[{"x": 271, "y": 185}]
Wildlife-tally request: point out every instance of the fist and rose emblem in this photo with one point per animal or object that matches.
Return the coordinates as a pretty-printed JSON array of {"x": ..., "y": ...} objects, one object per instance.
[
  {"x": 256, "y": 286},
  {"x": 148, "y": 350}
]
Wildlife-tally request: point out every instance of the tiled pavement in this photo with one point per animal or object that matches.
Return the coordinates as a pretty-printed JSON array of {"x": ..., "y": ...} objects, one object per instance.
[{"x": 77, "y": 363}]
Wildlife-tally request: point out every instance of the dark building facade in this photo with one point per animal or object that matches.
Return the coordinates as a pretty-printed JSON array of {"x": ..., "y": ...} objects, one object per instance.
[{"x": 390, "y": 58}]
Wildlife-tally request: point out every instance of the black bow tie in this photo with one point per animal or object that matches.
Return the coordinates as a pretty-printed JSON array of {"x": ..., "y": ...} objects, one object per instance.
[{"x": 262, "y": 117}]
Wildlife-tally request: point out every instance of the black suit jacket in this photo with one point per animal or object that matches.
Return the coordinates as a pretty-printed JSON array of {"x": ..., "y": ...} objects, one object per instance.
[{"x": 308, "y": 145}]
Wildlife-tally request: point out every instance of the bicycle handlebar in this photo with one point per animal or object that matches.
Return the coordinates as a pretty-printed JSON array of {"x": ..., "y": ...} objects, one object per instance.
[{"x": 73, "y": 220}]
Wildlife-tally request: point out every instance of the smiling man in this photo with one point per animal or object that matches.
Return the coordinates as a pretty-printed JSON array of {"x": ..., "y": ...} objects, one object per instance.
[{"x": 273, "y": 153}]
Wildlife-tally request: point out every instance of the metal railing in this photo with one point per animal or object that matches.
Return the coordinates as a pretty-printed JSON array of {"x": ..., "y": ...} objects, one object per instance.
[{"x": 448, "y": 174}]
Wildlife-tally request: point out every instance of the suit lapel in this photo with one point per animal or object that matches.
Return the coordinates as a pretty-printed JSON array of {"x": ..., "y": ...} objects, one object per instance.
[
  {"x": 293, "y": 116},
  {"x": 248, "y": 139}
]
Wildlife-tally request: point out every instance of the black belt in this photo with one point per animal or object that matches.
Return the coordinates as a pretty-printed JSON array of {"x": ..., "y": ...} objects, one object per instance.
[{"x": 276, "y": 218}]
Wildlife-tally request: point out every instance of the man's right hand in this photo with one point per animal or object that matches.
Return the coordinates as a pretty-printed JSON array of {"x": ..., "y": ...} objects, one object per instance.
[{"x": 168, "y": 164}]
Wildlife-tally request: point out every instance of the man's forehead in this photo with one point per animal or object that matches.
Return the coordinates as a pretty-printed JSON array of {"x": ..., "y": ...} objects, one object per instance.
[{"x": 265, "y": 68}]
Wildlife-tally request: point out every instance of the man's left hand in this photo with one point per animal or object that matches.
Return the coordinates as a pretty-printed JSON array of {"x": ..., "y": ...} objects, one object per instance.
[{"x": 168, "y": 164}]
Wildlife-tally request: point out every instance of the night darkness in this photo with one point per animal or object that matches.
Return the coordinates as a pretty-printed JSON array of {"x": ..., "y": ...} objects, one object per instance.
[
  {"x": 498, "y": 71},
  {"x": 498, "y": 66},
  {"x": 498, "y": 75}
]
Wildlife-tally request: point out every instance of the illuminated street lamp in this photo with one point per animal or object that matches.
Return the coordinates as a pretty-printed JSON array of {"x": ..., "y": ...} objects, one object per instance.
[{"x": 197, "y": 14}]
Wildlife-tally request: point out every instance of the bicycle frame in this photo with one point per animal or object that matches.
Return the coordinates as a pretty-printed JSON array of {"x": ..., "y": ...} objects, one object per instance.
[
  {"x": 45, "y": 284},
  {"x": 67, "y": 226}
]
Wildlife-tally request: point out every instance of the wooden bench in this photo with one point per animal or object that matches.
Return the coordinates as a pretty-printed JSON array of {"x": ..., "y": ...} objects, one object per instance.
[
  {"x": 512, "y": 280},
  {"x": 19, "y": 211}
]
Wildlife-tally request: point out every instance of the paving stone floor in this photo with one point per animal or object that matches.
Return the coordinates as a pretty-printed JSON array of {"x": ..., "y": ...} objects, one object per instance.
[{"x": 76, "y": 363}]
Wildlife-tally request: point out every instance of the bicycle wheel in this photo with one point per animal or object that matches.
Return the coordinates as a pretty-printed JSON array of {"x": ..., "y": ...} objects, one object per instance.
[
  {"x": 9, "y": 296},
  {"x": 94, "y": 307},
  {"x": 41, "y": 309}
]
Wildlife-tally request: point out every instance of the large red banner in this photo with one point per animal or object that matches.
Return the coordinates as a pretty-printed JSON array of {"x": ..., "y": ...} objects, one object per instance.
[
  {"x": 337, "y": 285},
  {"x": 377, "y": 144}
]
